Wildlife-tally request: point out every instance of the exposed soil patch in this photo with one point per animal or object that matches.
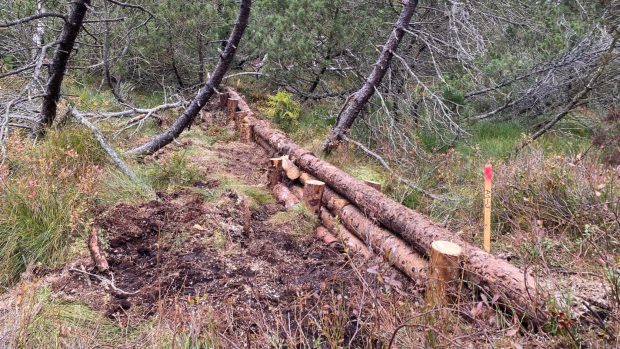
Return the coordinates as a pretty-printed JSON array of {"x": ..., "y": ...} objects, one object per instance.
[{"x": 182, "y": 249}]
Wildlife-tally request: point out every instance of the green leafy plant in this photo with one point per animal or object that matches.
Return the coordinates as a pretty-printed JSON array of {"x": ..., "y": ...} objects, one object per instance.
[{"x": 283, "y": 110}]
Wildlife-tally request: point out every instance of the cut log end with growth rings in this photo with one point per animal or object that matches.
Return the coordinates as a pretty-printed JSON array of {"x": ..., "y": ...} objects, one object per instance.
[
  {"x": 292, "y": 171},
  {"x": 313, "y": 193},
  {"x": 445, "y": 271}
]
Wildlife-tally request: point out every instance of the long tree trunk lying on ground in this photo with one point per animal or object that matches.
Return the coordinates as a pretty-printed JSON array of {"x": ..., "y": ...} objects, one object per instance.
[
  {"x": 363, "y": 95},
  {"x": 58, "y": 68},
  {"x": 515, "y": 288},
  {"x": 393, "y": 249},
  {"x": 201, "y": 99}
]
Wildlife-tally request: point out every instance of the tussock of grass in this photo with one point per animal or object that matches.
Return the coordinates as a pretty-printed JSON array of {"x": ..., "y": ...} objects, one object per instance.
[
  {"x": 116, "y": 187},
  {"x": 45, "y": 198},
  {"x": 44, "y": 321},
  {"x": 174, "y": 171}
]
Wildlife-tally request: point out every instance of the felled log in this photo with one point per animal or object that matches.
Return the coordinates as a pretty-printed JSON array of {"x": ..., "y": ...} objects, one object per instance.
[
  {"x": 338, "y": 230},
  {"x": 284, "y": 196},
  {"x": 297, "y": 191},
  {"x": 292, "y": 171},
  {"x": 323, "y": 234},
  {"x": 395, "y": 251},
  {"x": 517, "y": 289}
]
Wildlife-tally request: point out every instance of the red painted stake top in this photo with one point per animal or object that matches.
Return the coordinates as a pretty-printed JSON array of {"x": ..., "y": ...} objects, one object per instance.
[{"x": 488, "y": 173}]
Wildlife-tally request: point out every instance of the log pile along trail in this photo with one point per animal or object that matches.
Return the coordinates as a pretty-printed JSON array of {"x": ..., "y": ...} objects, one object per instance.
[{"x": 335, "y": 260}]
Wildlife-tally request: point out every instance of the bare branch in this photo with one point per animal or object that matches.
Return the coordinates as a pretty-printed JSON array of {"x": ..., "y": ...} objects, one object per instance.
[{"x": 32, "y": 18}]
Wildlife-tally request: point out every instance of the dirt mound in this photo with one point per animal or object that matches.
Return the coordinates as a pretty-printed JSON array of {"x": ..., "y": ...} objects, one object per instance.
[{"x": 180, "y": 246}]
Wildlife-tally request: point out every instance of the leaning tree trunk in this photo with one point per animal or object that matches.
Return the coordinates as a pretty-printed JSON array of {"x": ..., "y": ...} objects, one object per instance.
[
  {"x": 362, "y": 96},
  {"x": 190, "y": 113},
  {"x": 57, "y": 70}
]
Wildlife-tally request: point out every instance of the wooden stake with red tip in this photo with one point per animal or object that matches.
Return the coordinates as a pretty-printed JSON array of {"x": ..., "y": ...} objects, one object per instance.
[{"x": 488, "y": 184}]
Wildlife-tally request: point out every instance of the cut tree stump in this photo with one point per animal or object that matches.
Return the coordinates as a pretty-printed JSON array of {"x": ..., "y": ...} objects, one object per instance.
[
  {"x": 246, "y": 215},
  {"x": 223, "y": 100},
  {"x": 313, "y": 192},
  {"x": 238, "y": 120},
  {"x": 445, "y": 272},
  {"x": 274, "y": 172},
  {"x": 231, "y": 109},
  {"x": 246, "y": 131}
]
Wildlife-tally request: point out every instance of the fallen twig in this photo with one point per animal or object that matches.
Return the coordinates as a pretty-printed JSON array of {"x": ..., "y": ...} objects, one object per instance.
[{"x": 115, "y": 158}]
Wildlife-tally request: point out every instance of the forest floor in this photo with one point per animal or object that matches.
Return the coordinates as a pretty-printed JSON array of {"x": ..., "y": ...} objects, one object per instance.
[
  {"x": 188, "y": 273},
  {"x": 186, "y": 260}
]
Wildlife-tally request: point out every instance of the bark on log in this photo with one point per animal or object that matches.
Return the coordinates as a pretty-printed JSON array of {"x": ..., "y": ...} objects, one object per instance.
[
  {"x": 354, "y": 242},
  {"x": 445, "y": 272},
  {"x": 362, "y": 96},
  {"x": 284, "y": 196},
  {"x": 101, "y": 263},
  {"x": 494, "y": 275},
  {"x": 231, "y": 110},
  {"x": 58, "y": 68},
  {"x": 313, "y": 192},
  {"x": 327, "y": 237},
  {"x": 517, "y": 289},
  {"x": 223, "y": 100},
  {"x": 274, "y": 172},
  {"x": 298, "y": 191},
  {"x": 205, "y": 93},
  {"x": 395, "y": 251}
]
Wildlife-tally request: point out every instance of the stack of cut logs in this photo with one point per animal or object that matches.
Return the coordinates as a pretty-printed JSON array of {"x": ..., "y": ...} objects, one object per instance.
[{"x": 357, "y": 214}]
